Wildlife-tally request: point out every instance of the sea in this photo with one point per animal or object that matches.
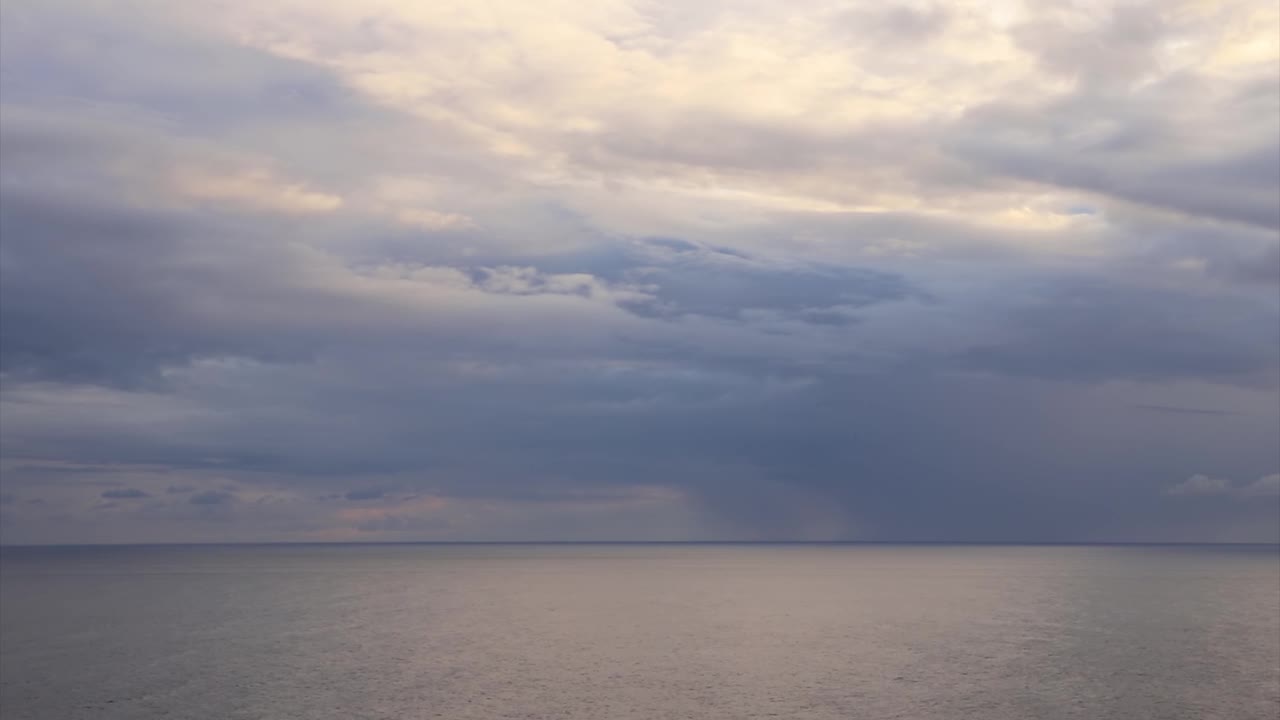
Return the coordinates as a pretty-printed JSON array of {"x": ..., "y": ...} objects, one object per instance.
[{"x": 640, "y": 632}]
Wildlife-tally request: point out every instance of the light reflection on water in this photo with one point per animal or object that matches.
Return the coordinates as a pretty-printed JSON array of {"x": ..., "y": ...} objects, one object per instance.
[{"x": 640, "y": 631}]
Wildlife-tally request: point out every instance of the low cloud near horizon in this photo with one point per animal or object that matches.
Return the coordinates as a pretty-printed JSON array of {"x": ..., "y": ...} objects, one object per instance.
[
  {"x": 1203, "y": 485},
  {"x": 369, "y": 270}
]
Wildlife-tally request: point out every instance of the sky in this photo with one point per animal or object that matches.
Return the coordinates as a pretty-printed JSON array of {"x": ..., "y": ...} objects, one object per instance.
[{"x": 362, "y": 270}]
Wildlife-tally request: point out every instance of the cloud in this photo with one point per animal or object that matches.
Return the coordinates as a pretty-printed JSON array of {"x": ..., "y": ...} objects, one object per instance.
[
  {"x": 1267, "y": 486},
  {"x": 1175, "y": 410},
  {"x": 365, "y": 494},
  {"x": 799, "y": 108},
  {"x": 256, "y": 188},
  {"x": 1203, "y": 485},
  {"x": 125, "y": 494},
  {"x": 407, "y": 514},
  {"x": 211, "y": 497},
  {"x": 638, "y": 270},
  {"x": 1104, "y": 329}
]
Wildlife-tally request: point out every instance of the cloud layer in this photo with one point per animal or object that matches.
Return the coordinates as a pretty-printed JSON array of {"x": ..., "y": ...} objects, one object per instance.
[{"x": 633, "y": 270}]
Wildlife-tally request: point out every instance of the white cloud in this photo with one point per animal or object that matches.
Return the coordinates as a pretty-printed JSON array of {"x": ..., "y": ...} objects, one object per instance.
[
  {"x": 1203, "y": 485},
  {"x": 255, "y": 188},
  {"x": 432, "y": 219},
  {"x": 816, "y": 105},
  {"x": 1268, "y": 486}
]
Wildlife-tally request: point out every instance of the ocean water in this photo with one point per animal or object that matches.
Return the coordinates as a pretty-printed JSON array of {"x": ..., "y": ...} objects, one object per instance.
[{"x": 645, "y": 632}]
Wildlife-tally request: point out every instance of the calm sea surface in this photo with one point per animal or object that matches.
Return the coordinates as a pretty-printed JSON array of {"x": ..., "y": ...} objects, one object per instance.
[{"x": 598, "y": 632}]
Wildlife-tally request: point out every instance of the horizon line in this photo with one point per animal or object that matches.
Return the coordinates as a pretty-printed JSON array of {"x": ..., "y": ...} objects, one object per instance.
[{"x": 994, "y": 543}]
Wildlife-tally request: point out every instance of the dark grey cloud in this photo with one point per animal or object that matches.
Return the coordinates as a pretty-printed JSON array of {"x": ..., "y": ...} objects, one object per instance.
[
  {"x": 116, "y": 63},
  {"x": 1099, "y": 330},
  {"x": 364, "y": 494},
  {"x": 710, "y": 284},
  {"x": 1130, "y": 153},
  {"x": 91, "y": 293},
  {"x": 1175, "y": 410},
  {"x": 125, "y": 494},
  {"x": 211, "y": 497},
  {"x": 679, "y": 278},
  {"x": 149, "y": 289},
  {"x": 869, "y": 454},
  {"x": 1262, "y": 267}
]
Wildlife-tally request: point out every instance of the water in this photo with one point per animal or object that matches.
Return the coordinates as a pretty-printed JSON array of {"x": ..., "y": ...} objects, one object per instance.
[{"x": 603, "y": 632}]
